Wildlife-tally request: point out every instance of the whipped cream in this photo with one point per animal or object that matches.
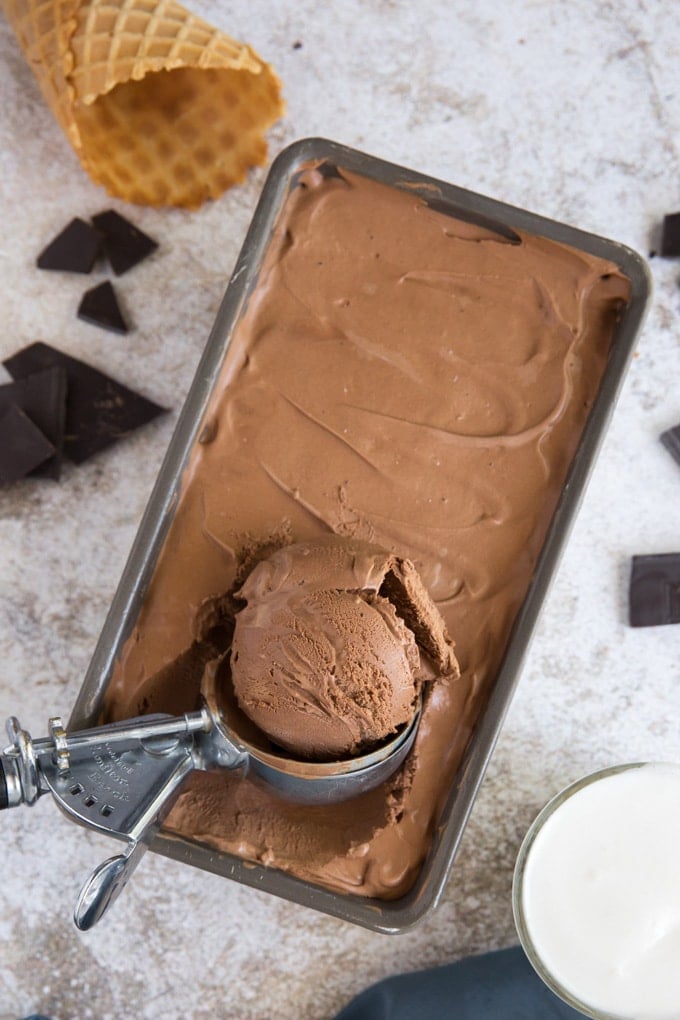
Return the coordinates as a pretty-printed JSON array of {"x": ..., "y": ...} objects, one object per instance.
[{"x": 600, "y": 894}]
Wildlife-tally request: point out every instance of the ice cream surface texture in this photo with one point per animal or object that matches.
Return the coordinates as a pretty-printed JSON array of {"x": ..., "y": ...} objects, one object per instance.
[
  {"x": 402, "y": 377},
  {"x": 323, "y": 660}
]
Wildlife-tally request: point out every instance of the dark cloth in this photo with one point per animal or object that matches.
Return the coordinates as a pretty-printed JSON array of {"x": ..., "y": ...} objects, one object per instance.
[{"x": 495, "y": 986}]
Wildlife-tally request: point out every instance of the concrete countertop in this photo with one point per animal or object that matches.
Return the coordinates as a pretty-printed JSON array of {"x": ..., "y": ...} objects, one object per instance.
[{"x": 571, "y": 110}]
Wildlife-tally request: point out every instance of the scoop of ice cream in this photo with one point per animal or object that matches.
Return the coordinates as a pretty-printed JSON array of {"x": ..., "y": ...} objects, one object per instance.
[{"x": 333, "y": 645}]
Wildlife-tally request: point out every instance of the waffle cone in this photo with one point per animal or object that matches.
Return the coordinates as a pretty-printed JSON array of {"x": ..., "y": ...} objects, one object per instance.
[{"x": 161, "y": 108}]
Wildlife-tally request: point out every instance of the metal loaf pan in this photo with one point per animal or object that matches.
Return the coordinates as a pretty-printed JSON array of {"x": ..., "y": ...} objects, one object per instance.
[{"x": 379, "y": 915}]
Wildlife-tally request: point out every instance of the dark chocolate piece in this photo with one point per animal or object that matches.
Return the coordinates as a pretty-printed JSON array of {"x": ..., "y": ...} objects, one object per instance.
[
  {"x": 22, "y": 445},
  {"x": 671, "y": 440},
  {"x": 100, "y": 307},
  {"x": 99, "y": 410},
  {"x": 655, "y": 590},
  {"x": 670, "y": 235},
  {"x": 42, "y": 396},
  {"x": 74, "y": 250},
  {"x": 124, "y": 244}
]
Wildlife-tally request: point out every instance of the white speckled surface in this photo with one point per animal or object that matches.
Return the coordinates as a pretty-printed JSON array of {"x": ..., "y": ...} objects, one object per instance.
[{"x": 572, "y": 110}]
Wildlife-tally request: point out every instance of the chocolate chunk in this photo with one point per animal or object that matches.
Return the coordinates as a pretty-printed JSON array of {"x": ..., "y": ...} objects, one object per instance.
[
  {"x": 74, "y": 250},
  {"x": 655, "y": 590},
  {"x": 670, "y": 235},
  {"x": 99, "y": 410},
  {"x": 671, "y": 440},
  {"x": 22, "y": 445},
  {"x": 100, "y": 307},
  {"x": 124, "y": 244},
  {"x": 42, "y": 396}
]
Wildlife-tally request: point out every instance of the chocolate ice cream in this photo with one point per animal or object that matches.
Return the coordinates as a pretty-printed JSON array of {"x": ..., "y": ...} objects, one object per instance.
[
  {"x": 401, "y": 376},
  {"x": 324, "y": 657}
]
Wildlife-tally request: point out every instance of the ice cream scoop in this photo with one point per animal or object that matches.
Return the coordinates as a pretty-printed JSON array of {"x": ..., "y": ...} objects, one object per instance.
[
  {"x": 122, "y": 779},
  {"x": 336, "y": 639},
  {"x": 333, "y": 645}
]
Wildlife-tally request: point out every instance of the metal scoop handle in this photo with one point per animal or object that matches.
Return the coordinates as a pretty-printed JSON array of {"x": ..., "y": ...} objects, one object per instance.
[{"x": 120, "y": 779}]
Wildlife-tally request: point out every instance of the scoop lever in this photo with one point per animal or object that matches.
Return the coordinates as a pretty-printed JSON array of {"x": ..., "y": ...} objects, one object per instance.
[{"x": 104, "y": 885}]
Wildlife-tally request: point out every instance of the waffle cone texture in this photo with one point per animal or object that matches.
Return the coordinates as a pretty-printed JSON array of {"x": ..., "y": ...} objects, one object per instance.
[{"x": 161, "y": 108}]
